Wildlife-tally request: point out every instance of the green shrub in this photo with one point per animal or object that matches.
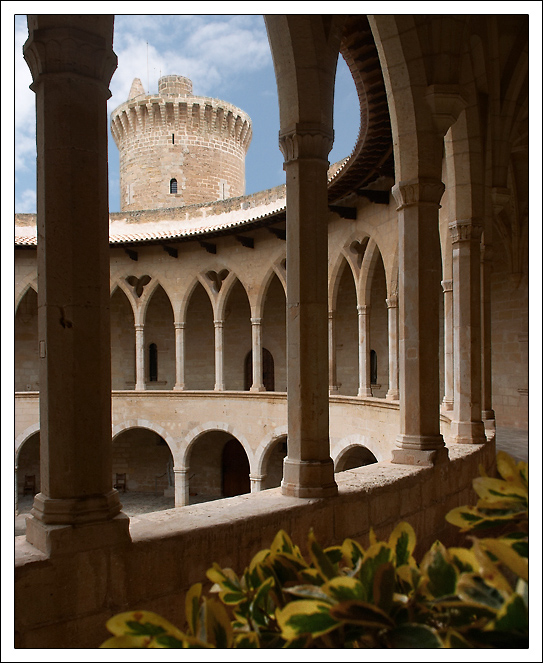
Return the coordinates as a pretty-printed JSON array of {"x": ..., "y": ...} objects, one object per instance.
[{"x": 349, "y": 597}]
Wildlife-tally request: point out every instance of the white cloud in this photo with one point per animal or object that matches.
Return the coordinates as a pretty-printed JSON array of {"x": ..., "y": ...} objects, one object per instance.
[{"x": 26, "y": 202}]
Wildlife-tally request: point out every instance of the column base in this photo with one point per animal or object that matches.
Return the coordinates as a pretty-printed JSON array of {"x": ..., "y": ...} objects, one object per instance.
[
  {"x": 364, "y": 393},
  {"x": 447, "y": 405},
  {"x": 68, "y": 539},
  {"x": 421, "y": 457},
  {"x": 179, "y": 387},
  {"x": 393, "y": 395},
  {"x": 467, "y": 432},
  {"x": 260, "y": 387},
  {"x": 489, "y": 422},
  {"x": 304, "y": 478}
]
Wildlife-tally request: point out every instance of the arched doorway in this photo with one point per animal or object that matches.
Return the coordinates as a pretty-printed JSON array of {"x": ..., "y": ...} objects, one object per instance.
[
  {"x": 273, "y": 464},
  {"x": 235, "y": 469}
]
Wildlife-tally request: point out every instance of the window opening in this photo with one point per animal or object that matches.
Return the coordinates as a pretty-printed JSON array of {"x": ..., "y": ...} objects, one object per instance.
[
  {"x": 173, "y": 185},
  {"x": 373, "y": 367},
  {"x": 153, "y": 363}
]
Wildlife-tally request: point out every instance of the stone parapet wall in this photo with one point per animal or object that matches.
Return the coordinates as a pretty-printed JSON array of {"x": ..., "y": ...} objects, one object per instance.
[{"x": 172, "y": 549}]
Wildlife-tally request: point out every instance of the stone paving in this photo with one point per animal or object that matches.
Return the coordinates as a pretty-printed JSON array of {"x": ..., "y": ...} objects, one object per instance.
[{"x": 511, "y": 440}]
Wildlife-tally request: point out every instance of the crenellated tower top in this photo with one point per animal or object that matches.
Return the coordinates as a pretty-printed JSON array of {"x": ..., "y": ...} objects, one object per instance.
[{"x": 178, "y": 149}]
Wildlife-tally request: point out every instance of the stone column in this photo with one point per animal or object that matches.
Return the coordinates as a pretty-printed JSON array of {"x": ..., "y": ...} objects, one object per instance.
[
  {"x": 181, "y": 481},
  {"x": 467, "y": 426},
  {"x": 72, "y": 62},
  {"x": 364, "y": 366},
  {"x": 420, "y": 441},
  {"x": 140, "y": 357},
  {"x": 448, "y": 396},
  {"x": 179, "y": 356},
  {"x": 219, "y": 355},
  {"x": 256, "y": 482},
  {"x": 392, "y": 306},
  {"x": 332, "y": 366},
  {"x": 308, "y": 469},
  {"x": 487, "y": 414},
  {"x": 256, "y": 330}
]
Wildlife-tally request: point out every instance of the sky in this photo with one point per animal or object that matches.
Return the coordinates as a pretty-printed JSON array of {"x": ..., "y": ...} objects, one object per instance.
[{"x": 226, "y": 57}]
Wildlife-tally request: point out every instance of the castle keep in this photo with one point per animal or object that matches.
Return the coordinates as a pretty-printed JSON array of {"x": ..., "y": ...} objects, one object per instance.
[{"x": 178, "y": 149}]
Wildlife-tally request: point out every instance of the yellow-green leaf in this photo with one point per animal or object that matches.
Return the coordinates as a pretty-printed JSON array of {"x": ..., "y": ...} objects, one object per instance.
[
  {"x": 361, "y": 613},
  {"x": 402, "y": 541},
  {"x": 441, "y": 575},
  {"x": 507, "y": 555},
  {"x": 464, "y": 559},
  {"x": 509, "y": 469},
  {"x": 473, "y": 589},
  {"x": 344, "y": 588},
  {"x": 320, "y": 560},
  {"x": 305, "y": 618},
  {"x": 218, "y": 629},
  {"x": 192, "y": 604},
  {"x": 247, "y": 640},
  {"x": 126, "y": 642},
  {"x": 141, "y": 622},
  {"x": 492, "y": 490},
  {"x": 513, "y": 615},
  {"x": 352, "y": 552}
]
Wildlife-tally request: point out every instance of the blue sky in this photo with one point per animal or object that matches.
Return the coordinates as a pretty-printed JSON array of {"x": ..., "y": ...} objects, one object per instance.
[{"x": 226, "y": 57}]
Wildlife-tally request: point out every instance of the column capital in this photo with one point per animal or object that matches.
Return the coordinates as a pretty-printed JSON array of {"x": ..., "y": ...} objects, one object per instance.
[
  {"x": 418, "y": 191},
  {"x": 139, "y": 327},
  {"x": 256, "y": 321},
  {"x": 218, "y": 324},
  {"x": 363, "y": 309},
  {"x": 306, "y": 141},
  {"x": 392, "y": 301},
  {"x": 82, "y": 47},
  {"x": 447, "y": 285},
  {"x": 465, "y": 230},
  {"x": 179, "y": 325}
]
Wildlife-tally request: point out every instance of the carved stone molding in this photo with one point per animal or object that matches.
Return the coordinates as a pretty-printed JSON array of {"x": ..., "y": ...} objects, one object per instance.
[
  {"x": 416, "y": 192},
  {"x": 500, "y": 197},
  {"x": 309, "y": 142},
  {"x": 465, "y": 230},
  {"x": 447, "y": 285},
  {"x": 69, "y": 50},
  {"x": 392, "y": 301},
  {"x": 446, "y": 102},
  {"x": 363, "y": 309}
]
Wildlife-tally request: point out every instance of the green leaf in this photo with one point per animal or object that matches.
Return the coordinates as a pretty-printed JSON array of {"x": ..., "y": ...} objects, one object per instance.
[
  {"x": 320, "y": 560},
  {"x": 413, "y": 636},
  {"x": 402, "y": 541},
  {"x": 376, "y": 555},
  {"x": 454, "y": 640},
  {"x": 383, "y": 586},
  {"x": 473, "y": 589},
  {"x": 146, "y": 628},
  {"x": 192, "y": 603},
  {"x": 309, "y": 592},
  {"x": 362, "y": 614},
  {"x": 352, "y": 552},
  {"x": 167, "y": 642},
  {"x": 305, "y": 618},
  {"x": 334, "y": 554},
  {"x": 344, "y": 588},
  {"x": 246, "y": 641},
  {"x": 218, "y": 628},
  {"x": 442, "y": 575},
  {"x": 513, "y": 616},
  {"x": 126, "y": 642}
]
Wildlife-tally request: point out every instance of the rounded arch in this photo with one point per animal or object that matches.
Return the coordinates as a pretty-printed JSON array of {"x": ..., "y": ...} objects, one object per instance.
[
  {"x": 265, "y": 447},
  {"x": 355, "y": 455},
  {"x": 339, "y": 447},
  {"x": 129, "y": 424},
  {"x": 24, "y": 436},
  {"x": 210, "y": 426}
]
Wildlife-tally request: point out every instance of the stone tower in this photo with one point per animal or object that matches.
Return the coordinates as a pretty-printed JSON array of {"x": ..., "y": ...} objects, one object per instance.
[{"x": 177, "y": 149}]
